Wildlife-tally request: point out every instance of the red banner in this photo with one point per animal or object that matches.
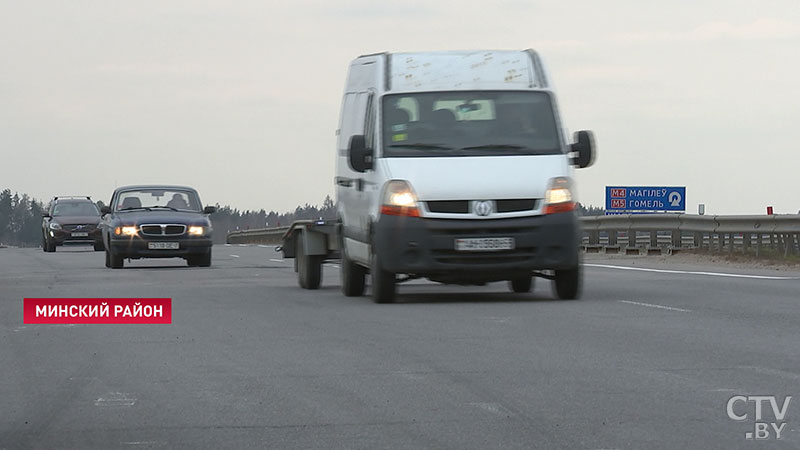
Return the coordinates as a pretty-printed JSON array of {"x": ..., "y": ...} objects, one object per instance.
[{"x": 97, "y": 310}]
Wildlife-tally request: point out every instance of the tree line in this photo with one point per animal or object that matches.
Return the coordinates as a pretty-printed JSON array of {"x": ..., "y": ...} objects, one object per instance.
[{"x": 21, "y": 218}]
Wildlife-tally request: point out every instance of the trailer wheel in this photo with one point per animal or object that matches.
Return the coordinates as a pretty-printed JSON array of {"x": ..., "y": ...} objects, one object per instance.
[
  {"x": 353, "y": 276},
  {"x": 309, "y": 267},
  {"x": 567, "y": 283},
  {"x": 384, "y": 284}
]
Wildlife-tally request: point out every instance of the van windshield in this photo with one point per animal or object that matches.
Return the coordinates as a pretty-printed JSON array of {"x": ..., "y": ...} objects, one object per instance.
[{"x": 469, "y": 123}]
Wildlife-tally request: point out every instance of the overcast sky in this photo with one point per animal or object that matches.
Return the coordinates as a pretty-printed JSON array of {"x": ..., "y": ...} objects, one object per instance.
[{"x": 240, "y": 99}]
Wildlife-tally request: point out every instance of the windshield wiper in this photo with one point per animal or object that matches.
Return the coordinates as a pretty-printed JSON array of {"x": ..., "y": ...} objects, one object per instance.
[
  {"x": 423, "y": 146},
  {"x": 131, "y": 208},
  {"x": 503, "y": 146},
  {"x": 165, "y": 207}
]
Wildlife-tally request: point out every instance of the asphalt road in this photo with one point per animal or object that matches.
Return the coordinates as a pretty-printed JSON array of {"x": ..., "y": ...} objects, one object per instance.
[{"x": 646, "y": 360}]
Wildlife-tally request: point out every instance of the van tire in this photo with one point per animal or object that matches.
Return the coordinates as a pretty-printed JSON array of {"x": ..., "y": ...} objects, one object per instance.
[
  {"x": 521, "y": 285},
  {"x": 567, "y": 283},
  {"x": 309, "y": 267},
  {"x": 384, "y": 284},
  {"x": 353, "y": 276}
]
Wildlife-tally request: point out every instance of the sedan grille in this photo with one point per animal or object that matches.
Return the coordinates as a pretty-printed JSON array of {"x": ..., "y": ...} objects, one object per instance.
[{"x": 162, "y": 229}]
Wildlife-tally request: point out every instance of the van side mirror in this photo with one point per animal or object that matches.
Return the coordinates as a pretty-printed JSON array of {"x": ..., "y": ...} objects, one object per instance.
[
  {"x": 209, "y": 210},
  {"x": 359, "y": 156},
  {"x": 584, "y": 148},
  {"x": 105, "y": 210}
]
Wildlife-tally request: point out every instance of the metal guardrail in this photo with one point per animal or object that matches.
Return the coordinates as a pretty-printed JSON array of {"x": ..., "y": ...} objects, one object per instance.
[
  {"x": 658, "y": 233},
  {"x": 649, "y": 233},
  {"x": 266, "y": 236}
]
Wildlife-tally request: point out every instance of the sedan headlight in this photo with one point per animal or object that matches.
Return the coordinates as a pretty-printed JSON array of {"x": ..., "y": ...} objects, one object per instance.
[
  {"x": 54, "y": 226},
  {"x": 125, "y": 231},
  {"x": 196, "y": 230}
]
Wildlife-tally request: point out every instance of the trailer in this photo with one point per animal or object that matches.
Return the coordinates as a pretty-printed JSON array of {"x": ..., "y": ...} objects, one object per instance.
[{"x": 310, "y": 243}]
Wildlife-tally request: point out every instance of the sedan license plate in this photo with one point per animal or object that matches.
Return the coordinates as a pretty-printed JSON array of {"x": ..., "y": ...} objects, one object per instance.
[
  {"x": 484, "y": 244},
  {"x": 79, "y": 234},
  {"x": 163, "y": 245}
]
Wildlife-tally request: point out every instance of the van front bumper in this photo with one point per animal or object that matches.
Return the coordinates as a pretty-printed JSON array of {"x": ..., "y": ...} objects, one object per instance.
[{"x": 426, "y": 247}]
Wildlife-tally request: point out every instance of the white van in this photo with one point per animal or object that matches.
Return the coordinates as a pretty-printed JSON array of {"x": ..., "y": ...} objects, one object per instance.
[{"x": 454, "y": 166}]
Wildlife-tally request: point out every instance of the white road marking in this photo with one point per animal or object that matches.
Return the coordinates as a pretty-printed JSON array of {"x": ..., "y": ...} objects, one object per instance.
[
  {"x": 234, "y": 256},
  {"x": 494, "y": 408},
  {"x": 115, "y": 399},
  {"x": 774, "y": 372},
  {"x": 141, "y": 443},
  {"x": 242, "y": 245},
  {"x": 650, "y": 305},
  {"x": 227, "y": 245},
  {"x": 263, "y": 246},
  {"x": 499, "y": 319},
  {"x": 277, "y": 260},
  {"x": 690, "y": 272}
]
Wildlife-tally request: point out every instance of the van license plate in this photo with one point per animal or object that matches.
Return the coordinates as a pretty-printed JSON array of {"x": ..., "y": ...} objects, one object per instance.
[
  {"x": 80, "y": 234},
  {"x": 163, "y": 245},
  {"x": 484, "y": 244}
]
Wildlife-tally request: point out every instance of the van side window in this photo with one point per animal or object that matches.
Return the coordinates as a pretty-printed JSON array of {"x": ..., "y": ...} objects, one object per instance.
[
  {"x": 369, "y": 123},
  {"x": 353, "y": 117}
]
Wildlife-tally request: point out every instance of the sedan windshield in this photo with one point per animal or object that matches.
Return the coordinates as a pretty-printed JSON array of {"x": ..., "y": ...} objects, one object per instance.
[
  {"x": 172, "y": 199},
  {"x": 75, "y": 209},
  {"x": 469, "y": 123}
]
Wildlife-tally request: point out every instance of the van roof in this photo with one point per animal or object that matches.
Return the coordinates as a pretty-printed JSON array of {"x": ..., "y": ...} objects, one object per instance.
[{"x": 475, "y": 69}]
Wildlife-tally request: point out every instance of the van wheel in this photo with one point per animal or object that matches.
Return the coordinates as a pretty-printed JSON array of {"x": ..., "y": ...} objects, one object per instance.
[
  {"x": 353, "y": 276},
  {"x": 384, "y": 284},
  {"x": 309, "y": 268},
  {"x": 521, "y": 285},
  {"x": 567, "y": 283}
]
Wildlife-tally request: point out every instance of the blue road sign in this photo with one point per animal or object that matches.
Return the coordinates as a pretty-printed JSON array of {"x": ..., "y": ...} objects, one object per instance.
[{"x": 624, "y": 199}]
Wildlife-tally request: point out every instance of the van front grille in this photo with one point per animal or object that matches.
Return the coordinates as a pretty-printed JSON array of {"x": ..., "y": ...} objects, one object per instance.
[
  {"x": 500, "y": 206},
  {"x": 449, "y": 206},
  {"x": 516, "y": 205}
]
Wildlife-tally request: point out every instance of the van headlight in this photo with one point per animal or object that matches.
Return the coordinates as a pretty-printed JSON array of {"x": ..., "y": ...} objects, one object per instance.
[
  {"x": 399, "y": 199},
  {"x": 558, "y": 197}
]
